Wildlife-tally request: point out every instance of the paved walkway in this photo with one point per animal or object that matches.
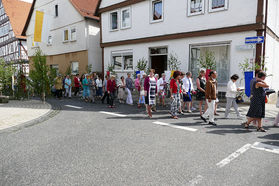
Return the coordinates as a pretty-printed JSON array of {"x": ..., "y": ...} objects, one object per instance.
[
  {"x": 270, "y": 110},
  {"x": 18, "y": 112}
]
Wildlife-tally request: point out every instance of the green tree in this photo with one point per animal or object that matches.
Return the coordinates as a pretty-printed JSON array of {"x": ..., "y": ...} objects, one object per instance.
[
  {"x": 6, "y": 73},
  {"x": 39, "y": 75},
  {"x": 141, "y": 66},
  {"x": 110, "y": 68},
  {"x": 173, "y": 62},
  {"x": 89, "y": 69},
  {"x": 21, "y": 90},
  {"x": 68, "y": 71},
  {"x": 207, "y": 61}
]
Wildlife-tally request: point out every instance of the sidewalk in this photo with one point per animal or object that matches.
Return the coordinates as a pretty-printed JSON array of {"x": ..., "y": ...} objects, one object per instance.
[
  {"x": 270, "y": 109},
  {"x": 18, "y": 112}
]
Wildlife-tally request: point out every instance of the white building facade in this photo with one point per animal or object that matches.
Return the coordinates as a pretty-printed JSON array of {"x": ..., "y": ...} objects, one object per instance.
[
  {"x": 74, "y": 35},
  {"x": 155, "y": 29}
]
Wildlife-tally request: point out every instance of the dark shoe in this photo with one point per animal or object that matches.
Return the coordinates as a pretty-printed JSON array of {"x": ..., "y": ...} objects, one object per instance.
[
  {"x": 260, "y": 129},
  {"x": 212, "y": 123},
  {"x": 203, "y": 119},
  {"x": 246, "y": 125}
]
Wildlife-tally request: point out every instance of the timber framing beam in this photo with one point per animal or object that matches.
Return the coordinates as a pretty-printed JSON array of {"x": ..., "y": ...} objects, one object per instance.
[{"x": 224, "y": 30}]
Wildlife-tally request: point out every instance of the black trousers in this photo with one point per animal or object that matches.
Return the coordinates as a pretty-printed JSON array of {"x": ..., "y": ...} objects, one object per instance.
[
  {"x": 59, "y": 93},
  {"x": 106, "y": 95},
  {"x": 111, "y": 98},
  {"x": 76, "y": 90}
]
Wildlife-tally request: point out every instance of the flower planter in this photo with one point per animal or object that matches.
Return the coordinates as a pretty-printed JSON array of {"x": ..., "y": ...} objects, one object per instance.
[
  {"x": 4, "y": 99},
  {"x": 207, "y": 73}
]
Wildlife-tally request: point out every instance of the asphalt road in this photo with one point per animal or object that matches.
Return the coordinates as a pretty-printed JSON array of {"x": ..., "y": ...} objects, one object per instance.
[{"x": 83, "y": 146}]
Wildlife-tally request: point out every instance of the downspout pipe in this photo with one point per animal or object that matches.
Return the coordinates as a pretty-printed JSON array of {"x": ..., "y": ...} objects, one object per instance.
[{"x": 265, "y": 29}]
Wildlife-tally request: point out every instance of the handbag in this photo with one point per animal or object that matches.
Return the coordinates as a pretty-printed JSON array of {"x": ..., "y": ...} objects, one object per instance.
[
  {"x": 239, "y": 99},
  {"x": 266, "y": 99}
]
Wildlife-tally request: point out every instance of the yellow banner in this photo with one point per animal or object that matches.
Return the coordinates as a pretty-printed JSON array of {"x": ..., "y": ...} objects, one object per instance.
[
  {"x": 38, "y": 26},
  {"x": 172, "y": 73}
]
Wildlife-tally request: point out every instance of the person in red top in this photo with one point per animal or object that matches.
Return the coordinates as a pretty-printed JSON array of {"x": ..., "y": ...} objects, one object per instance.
[
  {"x": 77, "y": 84},
  {"x": 111, "y": 88},
  {"x": 175, "y": 91}
]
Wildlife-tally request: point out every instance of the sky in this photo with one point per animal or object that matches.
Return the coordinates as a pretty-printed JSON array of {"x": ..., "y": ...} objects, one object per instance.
[{"x": 29, "y": 1}]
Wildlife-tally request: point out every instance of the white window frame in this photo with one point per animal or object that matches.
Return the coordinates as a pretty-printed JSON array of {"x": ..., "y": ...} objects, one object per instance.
[
  {"x": 121, "y": 17},
  {"x": 122, "y": 54},
  {"x": 72, "y": 72},
  {"x": 71, "y": 39},
  {"x": 49, "y": 43},
  {"x": 196, "y": 13},
  {"x": 110, "y": 21},
  {"x": 217, "y": 9},
  {"x": 36, "y": 44},
  {"x": 64, "y": 35},
  {"x": 151, "y": 12}
]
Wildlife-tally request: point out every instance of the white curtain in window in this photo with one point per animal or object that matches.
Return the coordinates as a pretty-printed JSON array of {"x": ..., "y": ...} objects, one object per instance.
[
  {"x": 196, "y": 6},
  {"x": 125, "y": 18},
  {"x": 218, "y": 3}
]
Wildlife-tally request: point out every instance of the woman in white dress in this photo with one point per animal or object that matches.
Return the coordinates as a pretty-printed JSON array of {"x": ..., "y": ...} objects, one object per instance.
[{"x": 121, "y": 90}]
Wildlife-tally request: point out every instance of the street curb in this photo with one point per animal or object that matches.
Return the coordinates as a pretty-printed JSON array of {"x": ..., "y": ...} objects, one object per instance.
[{"x": 54, "y": 110}]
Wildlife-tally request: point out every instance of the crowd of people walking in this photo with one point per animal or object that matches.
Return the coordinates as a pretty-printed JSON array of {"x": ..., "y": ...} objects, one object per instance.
[{"x": 152, "y": 91}]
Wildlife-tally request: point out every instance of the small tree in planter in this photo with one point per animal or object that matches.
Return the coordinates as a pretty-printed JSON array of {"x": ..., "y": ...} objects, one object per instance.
[
  {"x": 110, "y": 69},
  {"x": 39, "y": 75},
  {"x": 89, "y": 69},
  {"x": 141, "y": 66},
  {"x": 173, "y": 62},
  {"x": 248, "y": 67},
  {"x": 68, "y": 71},
  {"x": 208, "y": 62},
  {"x": 6, "y": 73}
]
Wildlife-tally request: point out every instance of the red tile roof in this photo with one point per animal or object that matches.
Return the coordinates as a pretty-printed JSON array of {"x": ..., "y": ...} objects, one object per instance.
[
  {"x": 17, "y": 11},
  {"x": 87, "y": 8}
]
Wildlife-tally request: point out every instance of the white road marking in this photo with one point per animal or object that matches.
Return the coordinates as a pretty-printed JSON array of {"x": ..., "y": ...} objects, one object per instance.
[
  {"x": 72, "y": 106},
  {"x": 196, "y": 180},
  {"x": 175, "y": 126},
  {"x": 266, "y": 147},
  {"x": 113, "y": 114},
  {"x": 233, "y": 155},
  {"x": 161, "y": 123}
]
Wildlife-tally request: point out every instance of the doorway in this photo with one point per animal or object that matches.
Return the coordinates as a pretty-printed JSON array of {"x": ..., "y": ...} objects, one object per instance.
[{"x": 159, "y": 59}]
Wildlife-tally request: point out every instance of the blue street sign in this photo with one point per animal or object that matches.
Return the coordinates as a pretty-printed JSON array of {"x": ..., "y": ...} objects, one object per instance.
[{"x": 255, "y": 40}]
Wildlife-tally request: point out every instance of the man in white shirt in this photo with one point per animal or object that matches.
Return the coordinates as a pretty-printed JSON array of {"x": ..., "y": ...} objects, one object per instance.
[
  {"x": 188, "y": 88},
  {"x": 231, "y": 96},
  {"x": 99, "y": 84}
]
